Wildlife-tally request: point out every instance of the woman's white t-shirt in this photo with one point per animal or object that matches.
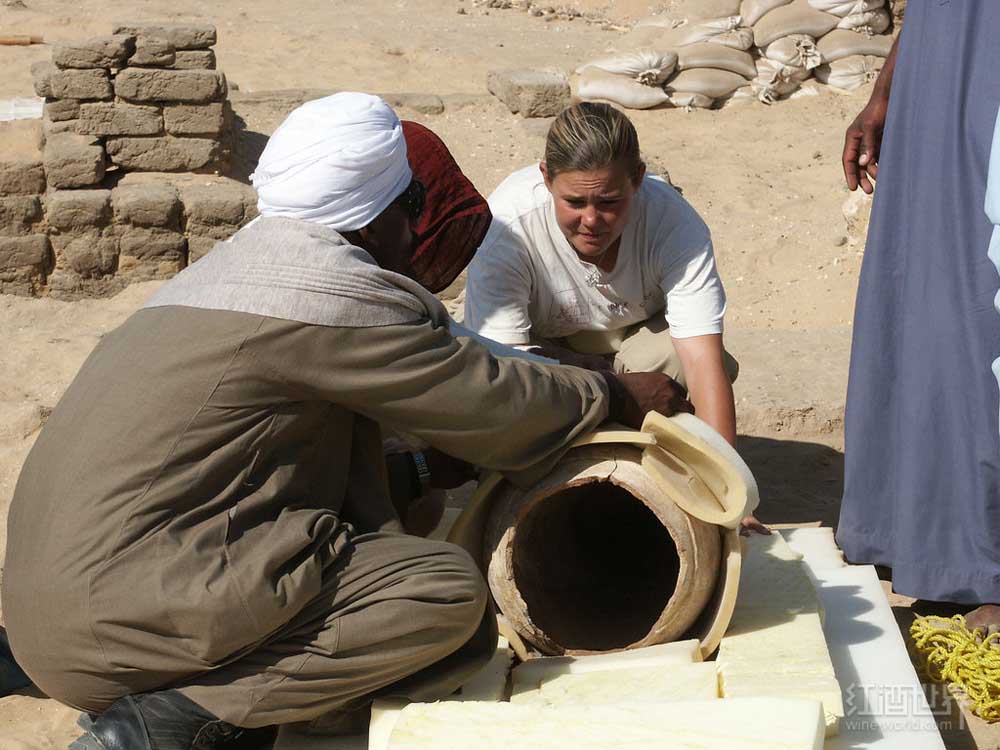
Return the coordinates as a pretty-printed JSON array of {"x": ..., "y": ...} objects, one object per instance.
[{"x": 526, "y": 279}]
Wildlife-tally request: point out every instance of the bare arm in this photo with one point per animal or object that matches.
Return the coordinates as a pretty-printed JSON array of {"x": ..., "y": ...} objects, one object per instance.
[
  {"x": 712, "y": 394},
  {"x": 863, "y": 142},
  {"x": 708, "y": 385}
]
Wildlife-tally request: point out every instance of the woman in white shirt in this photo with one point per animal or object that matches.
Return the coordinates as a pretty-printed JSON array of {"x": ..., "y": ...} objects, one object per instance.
[{"x": 593, "y": 262}]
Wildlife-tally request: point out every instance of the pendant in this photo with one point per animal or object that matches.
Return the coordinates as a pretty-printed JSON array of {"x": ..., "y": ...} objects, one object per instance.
[{"x": 618, "y": 308}]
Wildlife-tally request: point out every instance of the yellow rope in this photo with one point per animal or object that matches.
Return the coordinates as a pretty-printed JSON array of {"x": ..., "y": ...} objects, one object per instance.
[{"x": 968, "y": 659}]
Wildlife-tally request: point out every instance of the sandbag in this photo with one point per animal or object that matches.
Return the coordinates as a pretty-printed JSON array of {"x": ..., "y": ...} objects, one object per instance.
[
  {"x": 868, "y": 22},
  {"x": 797, "y": 50},
  {"x": 843, "y": 43},
  {"x": 741, "y": 38},
  {"x": 662, "y": 34},
  {"x": 744, "y": 94},
  {"x": 775, "y": 81},
  {"x": 706, "y": 81},
  {"x": 596, "y": 84},
  {"x": 645, "y": 66},
  {"x": 707, "y": 55},
  {"x": 797, "y": 18},
  {"x": 690, "y": 100},
  {"x": 753, "y": 10},
  {"x": 843, "y": 8},
  {"x": 850, "y": 73}
]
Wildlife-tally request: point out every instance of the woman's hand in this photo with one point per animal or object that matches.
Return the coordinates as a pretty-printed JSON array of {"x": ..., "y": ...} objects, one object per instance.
[{"x": 750, "y": 525}]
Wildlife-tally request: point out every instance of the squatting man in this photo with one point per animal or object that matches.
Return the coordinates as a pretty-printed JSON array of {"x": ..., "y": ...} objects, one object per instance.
[{"x": 202, "y": 539}]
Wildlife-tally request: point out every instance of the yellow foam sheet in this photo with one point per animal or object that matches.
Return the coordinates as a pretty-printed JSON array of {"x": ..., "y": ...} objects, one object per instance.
[
  {"x": 773, "y": 576},
  {"x": 747, "y": 724},
  {"x": 490, "y": 682},
  {"x": 676, "y": 682},
  {"x": 533, "y": 673},
  {"x": 775, "y": 645}
]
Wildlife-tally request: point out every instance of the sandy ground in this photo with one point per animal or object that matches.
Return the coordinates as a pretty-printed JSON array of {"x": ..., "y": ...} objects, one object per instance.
[{"x": 767, "y": 180}]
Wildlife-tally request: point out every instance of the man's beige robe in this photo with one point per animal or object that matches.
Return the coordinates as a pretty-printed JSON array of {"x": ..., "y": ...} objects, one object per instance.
[{"x": 207, "y": 505}]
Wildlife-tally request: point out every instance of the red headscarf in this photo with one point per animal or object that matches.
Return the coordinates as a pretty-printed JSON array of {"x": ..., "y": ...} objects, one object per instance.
[{"x": 455, "y": 216}]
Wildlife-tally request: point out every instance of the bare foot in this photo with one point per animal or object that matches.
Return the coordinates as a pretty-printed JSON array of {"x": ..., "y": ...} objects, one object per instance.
[{"x": 986, "y": 618}]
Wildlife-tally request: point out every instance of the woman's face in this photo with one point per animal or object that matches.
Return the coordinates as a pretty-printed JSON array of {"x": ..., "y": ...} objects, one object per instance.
[{"x": 592, "y": 206}]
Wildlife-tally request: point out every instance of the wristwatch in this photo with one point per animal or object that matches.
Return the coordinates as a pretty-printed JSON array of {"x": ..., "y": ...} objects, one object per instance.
[{"x": 423, "y": 470}]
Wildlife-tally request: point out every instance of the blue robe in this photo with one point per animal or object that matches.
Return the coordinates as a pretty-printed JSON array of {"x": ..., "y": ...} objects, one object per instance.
[{"x": 922, "y": 477}]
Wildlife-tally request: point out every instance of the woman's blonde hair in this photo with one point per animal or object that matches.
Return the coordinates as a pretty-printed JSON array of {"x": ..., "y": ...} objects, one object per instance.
[{"x": 589, "y": 136}]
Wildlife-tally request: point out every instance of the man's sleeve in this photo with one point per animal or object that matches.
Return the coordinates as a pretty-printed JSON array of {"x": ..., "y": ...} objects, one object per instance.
[
  {"x": 498, "y": 289},
  {"x": 695, "y": 298},
  {"x": 511, "y": 415}
]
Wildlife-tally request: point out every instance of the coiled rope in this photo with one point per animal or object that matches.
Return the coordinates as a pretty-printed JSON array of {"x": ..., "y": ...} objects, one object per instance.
[{"x": 968, "y": 659}]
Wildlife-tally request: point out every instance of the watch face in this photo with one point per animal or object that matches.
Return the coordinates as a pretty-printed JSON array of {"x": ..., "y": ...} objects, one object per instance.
[{"x": 423, "y": 470}]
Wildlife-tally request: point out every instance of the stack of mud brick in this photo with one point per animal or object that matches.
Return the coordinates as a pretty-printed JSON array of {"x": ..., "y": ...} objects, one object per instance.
[{"x": 129, "y": 186}]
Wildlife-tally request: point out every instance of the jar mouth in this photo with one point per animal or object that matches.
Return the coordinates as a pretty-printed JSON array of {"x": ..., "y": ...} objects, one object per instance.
[{"x": 595, "y": 566}]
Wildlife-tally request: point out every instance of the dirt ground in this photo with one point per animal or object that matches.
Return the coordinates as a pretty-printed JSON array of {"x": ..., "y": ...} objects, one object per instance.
[{"x": 766, "y": 179}]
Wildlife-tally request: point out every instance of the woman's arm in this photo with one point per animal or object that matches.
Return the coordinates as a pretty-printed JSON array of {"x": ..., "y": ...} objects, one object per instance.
[
  {"x": 708, "y": 385},
  {"x": 712, "y": 394}
]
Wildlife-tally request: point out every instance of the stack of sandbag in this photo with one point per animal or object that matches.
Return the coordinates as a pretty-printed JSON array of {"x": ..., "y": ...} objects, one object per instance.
[
  {"x": 763, "y": 49},
  {"x": 855, "y": 51},
  {"x": 785, "y": 34},
  {"x": 702, "y": 60}
]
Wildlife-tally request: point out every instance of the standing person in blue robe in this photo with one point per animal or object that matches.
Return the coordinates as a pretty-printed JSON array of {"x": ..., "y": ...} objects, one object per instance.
[{"x": 922, "y": 476}]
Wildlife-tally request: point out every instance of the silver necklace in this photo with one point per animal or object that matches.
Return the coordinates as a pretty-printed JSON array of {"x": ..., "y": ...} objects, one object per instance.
[{"x": 594, "y": 273}]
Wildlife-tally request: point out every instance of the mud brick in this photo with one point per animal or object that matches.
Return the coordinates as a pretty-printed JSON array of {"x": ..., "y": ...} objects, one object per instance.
[
  {"x": 73, "y": 161},
  {"x": 194, "y": 119},
  {"x": 100, "y": 52},
  {"x": 163, "y": 154},
  {"x": 183, "y": 36},
  {"x": 532, "y": 93},
  {"x": 70, "y": 210},
  {"x": 21, "y": 177},
  {"x": 80, "y": 84},
  {"x": 152, "y": 204},
  {"x": 153, "y": 51},
  {"x": 161, "y": 85},
  {"x": 19, "y": 214},
  {"x": 119, "y": 118}
]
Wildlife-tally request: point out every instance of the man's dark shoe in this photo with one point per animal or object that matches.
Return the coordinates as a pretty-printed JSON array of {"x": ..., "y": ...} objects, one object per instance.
[
  {"x": 12, "y": 677},
  {"x": 154, "y": 721}
]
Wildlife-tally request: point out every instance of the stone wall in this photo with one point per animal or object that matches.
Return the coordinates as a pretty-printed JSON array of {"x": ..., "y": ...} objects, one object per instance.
[{"x": 128, "y": 183}]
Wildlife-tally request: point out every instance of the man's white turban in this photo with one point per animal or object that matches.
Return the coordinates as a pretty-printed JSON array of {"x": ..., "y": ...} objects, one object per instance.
[{"x": 338, "y": 161}]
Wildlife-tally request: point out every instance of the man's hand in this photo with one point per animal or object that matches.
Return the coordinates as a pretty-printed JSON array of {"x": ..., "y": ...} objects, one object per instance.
[
  {"x": 447, "y": 473},
  {"x": 864, "y": 143},
  {"x": 642, "y": 392}
]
